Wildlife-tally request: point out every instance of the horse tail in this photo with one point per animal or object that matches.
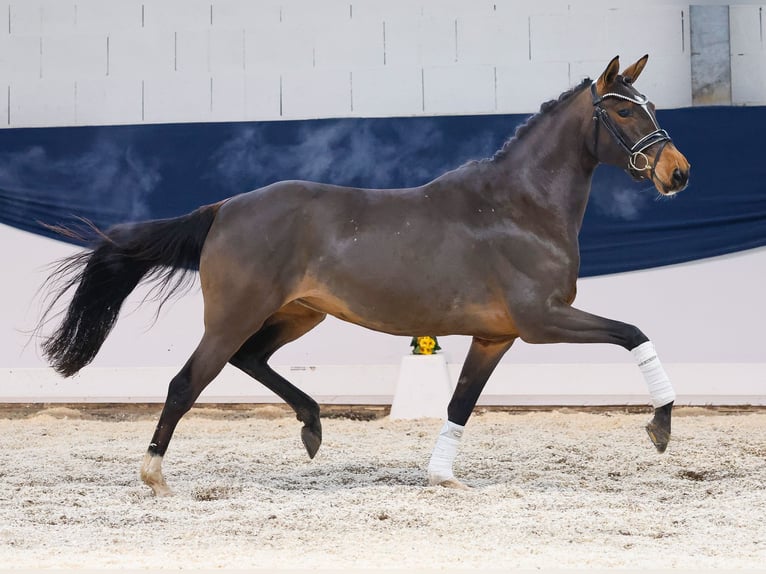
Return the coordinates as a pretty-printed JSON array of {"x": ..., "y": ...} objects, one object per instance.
[{"x": 164, "y": 250}]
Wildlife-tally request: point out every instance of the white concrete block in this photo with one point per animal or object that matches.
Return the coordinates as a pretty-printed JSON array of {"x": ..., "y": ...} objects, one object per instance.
[
  {"x": 263, "y": 97},
  {"x": 459, "y": 89},
  {"x": 283, "y": 47},
  {"x": 456, "y": 9},
  {"x": 496, "y": 37},
  {"x": 192, "y": 52},
  {"x": 25, "y": 18},
  {"x": 57, "y": 16},
  {"x": 666, "y": 80},
  {"x": 745, "y": 29},
  {"x": 316, "y": 94},
  {"x": 387, "y": 91},
  {"x": 437, "y": 40},
  {"x": 106, "y": 16},
  {"x": 426, "y": 41},
  {"x": 748, "y": 79},
  {"x": 227, "y": 50},
  {"x": 5, "y": 119},
  {"x": 73, "y": 56},
  {"x": 177, "y": 97},
  {"x": 521, "y": 88},
  {"x": 391, "y": 9},
  {"x": 423, "y": 388},
  {"x": 659, "y": 30},
  {"x": 401, "y": 44},
  {"x": 572, "y": 36},
  {"x": 42, "y": 102},
  {"x": 548, "y": 7},
  {"x": 141, "y": 54},
  {"x": 176, "y": 15},
  {"x": 348, "y": 44},
  {"x": 592, "y": 69},
  {"x": 228, "y": 97},
  {"x": 41, "y": 17},
  {"x": 5, "y": 18},
  {"x": 242, "y": 14},
  {"x": 313, "y": 13},
  {"x": 19, "y": 57},
  {"x": 108, "y": 100}
]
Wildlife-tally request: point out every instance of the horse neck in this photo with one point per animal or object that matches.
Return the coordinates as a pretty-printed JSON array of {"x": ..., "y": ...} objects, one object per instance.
[{"x": 550, "y": 166}]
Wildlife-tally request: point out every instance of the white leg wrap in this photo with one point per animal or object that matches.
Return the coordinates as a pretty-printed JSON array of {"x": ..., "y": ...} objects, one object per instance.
[
  {"x": 445, "y": 451},
  {"x": 656, "y": 378}
]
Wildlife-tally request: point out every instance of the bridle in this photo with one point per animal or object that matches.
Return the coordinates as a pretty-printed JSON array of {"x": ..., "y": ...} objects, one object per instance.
[{"x": 637, "y": 159}]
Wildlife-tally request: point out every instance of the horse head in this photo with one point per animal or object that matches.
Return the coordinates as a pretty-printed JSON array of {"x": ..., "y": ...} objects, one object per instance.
[{"x": 634, "y": 139}]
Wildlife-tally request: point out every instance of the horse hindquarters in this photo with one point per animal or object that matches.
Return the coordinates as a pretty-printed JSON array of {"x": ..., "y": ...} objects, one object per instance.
[{"x": 238, "y": 302}]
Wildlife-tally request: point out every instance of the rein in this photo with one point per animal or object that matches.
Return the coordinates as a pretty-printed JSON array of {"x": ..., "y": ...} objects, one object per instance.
[{"x": 635, "y": 151}]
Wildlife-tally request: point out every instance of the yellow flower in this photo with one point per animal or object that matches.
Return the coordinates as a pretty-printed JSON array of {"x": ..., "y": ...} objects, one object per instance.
[{"x": 426, "y": 345}]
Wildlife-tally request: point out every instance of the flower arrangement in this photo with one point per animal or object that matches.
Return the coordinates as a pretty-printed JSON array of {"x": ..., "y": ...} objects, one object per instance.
[{"x": 424, "y": 345}]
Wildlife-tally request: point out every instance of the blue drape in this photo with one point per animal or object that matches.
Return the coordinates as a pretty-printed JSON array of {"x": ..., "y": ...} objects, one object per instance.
[{"x": 110, "y": 174}]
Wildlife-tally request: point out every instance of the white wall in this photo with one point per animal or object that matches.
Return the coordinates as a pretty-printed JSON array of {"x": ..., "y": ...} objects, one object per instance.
[
  {"x": 747, "y": 25},
  {"x": 84, "y": 62}
]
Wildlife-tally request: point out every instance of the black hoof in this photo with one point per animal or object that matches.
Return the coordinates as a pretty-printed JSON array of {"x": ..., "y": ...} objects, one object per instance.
[
  {"x": 658, "y": 428},
  {"x": 660, "y": 437},
  {"x": 312, "y": 437}
]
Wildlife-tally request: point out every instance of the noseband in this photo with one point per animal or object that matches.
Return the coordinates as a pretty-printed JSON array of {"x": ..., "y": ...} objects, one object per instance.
[{"x": 637, "y": 159}]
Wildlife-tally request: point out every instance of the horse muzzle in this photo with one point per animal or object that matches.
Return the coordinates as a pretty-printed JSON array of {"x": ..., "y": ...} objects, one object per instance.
[{"x": 670, "y": 174}]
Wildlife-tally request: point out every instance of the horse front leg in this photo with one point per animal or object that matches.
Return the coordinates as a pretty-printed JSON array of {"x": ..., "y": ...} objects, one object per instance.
[
  {"x": 483, "y": 357},
  {"x": 565, "y": 324}
]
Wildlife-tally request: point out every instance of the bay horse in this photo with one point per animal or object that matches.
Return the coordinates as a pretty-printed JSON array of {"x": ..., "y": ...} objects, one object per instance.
[{"x": 275, "y": 261}]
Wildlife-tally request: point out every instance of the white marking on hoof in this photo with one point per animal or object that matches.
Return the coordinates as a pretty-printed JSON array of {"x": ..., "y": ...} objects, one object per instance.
[
  {"x": 151, "y": 474},
  {"x": 448, "y": 482}
]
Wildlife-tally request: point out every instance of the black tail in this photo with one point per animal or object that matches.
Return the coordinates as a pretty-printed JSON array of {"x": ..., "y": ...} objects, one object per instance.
[{"x": 164, "y": 250}]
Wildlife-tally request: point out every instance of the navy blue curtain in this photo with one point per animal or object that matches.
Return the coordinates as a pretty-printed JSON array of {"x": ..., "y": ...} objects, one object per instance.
[{"x": 111, "y": 174}]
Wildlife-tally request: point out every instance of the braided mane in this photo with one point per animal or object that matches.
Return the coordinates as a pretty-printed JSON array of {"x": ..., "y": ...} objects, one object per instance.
[{"x": 545, "y": 108}]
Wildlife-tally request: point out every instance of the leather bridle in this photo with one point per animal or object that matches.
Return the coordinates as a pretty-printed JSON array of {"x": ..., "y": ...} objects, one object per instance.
[{"x": 637, "y": 159}]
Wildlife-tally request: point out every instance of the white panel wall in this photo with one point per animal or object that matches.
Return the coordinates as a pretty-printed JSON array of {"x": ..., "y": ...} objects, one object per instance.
[
  {"x": 205, "y": 60},
  {"x": 748, "y": 54}
]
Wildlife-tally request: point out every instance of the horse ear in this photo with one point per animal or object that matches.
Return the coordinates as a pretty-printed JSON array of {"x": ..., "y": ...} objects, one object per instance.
[
  {"x": 631, "y": 73},
  {"x": 609, "y": 75}
]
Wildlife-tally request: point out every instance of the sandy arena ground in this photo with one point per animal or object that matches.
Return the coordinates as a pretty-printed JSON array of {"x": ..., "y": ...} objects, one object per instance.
[{"x": 561, "y": 489}]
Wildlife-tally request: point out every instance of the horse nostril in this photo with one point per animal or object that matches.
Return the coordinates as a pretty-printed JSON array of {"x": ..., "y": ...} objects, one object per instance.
[{"x": 680, "y": 177}]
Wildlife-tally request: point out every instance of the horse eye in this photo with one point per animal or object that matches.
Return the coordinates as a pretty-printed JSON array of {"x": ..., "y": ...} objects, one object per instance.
[{"x": 624, "y": 113}]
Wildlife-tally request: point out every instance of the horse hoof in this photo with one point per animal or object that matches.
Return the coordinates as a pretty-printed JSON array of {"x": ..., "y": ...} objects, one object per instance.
[
  {"x": 151, "y": 474},
  {"x": 659, "y": 436},
  {"x": 658, "y": 428},
  {"x": 312, "y": 438},
  {"x": 161, "y": 490},
  {"x": 453, "y": 483}
]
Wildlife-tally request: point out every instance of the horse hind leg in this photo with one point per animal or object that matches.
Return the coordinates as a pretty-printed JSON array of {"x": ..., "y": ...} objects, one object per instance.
[
  {"x": 220, "y": 341},
  {"x": 289, "y": 323}
]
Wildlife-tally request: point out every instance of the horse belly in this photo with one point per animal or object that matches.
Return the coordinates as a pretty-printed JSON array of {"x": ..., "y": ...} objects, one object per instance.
[{"x": 411, "y": 313}]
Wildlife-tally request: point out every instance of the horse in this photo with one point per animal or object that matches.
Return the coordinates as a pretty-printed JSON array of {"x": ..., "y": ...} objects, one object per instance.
[{"x": 274, "y": 262}]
